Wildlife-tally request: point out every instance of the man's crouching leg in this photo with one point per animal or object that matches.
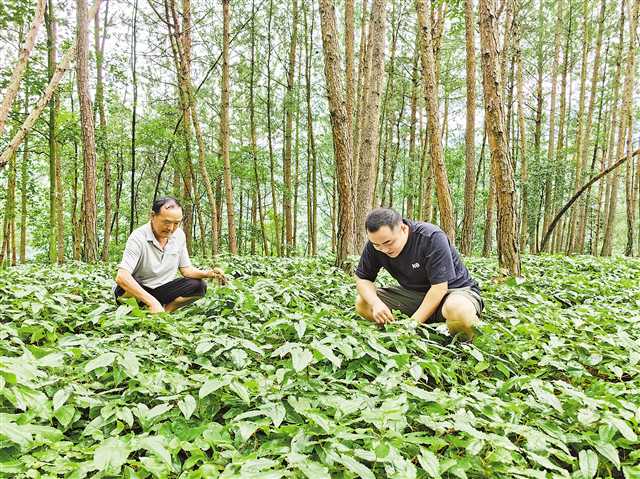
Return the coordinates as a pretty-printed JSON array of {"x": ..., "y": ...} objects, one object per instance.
[
  {"x": 191, "y": 290},
  {"x": 460, "y": 314},
  {"x": 363, "y": 308}
]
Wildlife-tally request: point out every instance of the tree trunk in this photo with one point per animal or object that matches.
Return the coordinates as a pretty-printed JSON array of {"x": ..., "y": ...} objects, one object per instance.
[
  {"x": 23, "y": 57},
  {"x": 607, "y": 245},
  {"x": 548, "y": 185},
  {"x": 632, "y": 9},
  {"x": 90, "y": 245},
  {"x": 466, "y": 240},
  {"x": 134, "y": 59},
  {"x": 224, "y": 129},
  {"x": 435, "y": 137},
  {"x": 311, "y": 145},
  {"x": 369, "y": 138},
  {"x": 102, "y": 130},
  {"x": 342, "y": 140},
  {"x": 509, "y": 256},
  {"x": 522, "y": 144},
  {"x": 289, "y": 108},
  {"x": 24, "y": 175}
]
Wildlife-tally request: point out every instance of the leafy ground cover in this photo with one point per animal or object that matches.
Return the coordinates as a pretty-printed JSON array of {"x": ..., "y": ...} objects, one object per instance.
[{"x": 273, "y": 376}]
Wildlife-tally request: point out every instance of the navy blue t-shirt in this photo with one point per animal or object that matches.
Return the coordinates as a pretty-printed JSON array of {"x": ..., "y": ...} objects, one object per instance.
[{"x": 427, "y": 258}]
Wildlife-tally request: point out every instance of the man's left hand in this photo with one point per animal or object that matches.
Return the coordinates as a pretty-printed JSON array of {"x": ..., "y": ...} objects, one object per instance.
[{"x": 218, "y": 274}]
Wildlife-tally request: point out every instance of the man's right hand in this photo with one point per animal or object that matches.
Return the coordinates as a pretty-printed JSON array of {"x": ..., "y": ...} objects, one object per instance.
[
  {"x": 381, "y": 313},
  {"x": 156, "y": 307}
]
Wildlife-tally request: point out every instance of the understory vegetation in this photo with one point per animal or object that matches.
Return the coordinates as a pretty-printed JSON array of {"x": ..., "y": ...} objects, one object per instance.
[{"x": 274, "y": 376}]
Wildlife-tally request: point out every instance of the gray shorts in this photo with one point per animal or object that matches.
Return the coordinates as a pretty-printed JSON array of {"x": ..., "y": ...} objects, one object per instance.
[{"x": 408, "y": 300}]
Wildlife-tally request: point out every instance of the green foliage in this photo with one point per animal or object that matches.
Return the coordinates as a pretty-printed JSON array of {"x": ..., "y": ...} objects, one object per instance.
[{"x": 274, "y": 376}]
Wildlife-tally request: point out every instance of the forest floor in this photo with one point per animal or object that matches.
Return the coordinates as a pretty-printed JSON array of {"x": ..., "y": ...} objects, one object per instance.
[{"x": 274, "y": 376}]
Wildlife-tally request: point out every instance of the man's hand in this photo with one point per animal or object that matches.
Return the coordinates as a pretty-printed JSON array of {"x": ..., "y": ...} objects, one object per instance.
[
  {"x": 381, "y": 313},
  {"x": 156, "y": 307},
  {"x": 218, "y": 274}
]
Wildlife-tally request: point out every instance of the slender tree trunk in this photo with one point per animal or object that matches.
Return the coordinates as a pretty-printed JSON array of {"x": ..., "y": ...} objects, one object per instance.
[
  {"x": 369, "y": 138},
  {"x": 364, "y": 66},
  {"x": 466, "y": 241},
  {"x": 90, "y": 246},
  {"x": 435, "y": 137},
  {"x": 224, "y": 129},
  {"x": 522, "y": 144},
  {"x": 632, "y": 9},
  {"x": 607, "y": 245},
  {"x": 16, "y": 75},
  {"x": 342, "y": 140},
  {"x": 102, "y": 129},
  {"x": 254, "y": 141},
  {"x": 134, "y": 77},
  {"x": 24, "y": 175},
  {"x": 289, "y": 106},
  {"x": 311, "y": 145},
  {"x": 52, "y": 137},
  {"x": 509, "y": 256},
  {"x": 548, "y": 185},
  {"x": 274, "y": 196}
]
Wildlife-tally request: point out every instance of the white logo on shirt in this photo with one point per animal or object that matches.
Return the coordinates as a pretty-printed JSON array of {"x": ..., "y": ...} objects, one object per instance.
[{"x": 415, "y": 265}]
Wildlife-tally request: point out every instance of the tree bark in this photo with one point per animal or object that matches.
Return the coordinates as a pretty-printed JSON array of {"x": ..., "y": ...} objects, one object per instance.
[
  {"x": 509, "y": 256},
  {"x": 134, "y": 107},
  {"x": 369, "y": 138},
  {"x": 90, "y": 245},
  {"x": 224, "y": 130},
  {"x": 23, "y": 57},
  {"x": 466, "y": 240},
  {"x": 435, "y": 136},
  {"x": 289, "y": 104},
  {"x": 342, "y": 140}
]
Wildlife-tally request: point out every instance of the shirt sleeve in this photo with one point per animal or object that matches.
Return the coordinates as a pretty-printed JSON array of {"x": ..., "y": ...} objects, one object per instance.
[
  {"x": 184, "y": 260},
  {"x": 369, "y": 265},
  {"x": 440, "y": 262},
  {"x": 131, "y": 255}
]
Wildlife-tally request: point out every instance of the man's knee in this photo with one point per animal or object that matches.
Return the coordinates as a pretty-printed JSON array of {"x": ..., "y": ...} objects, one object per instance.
[
  {"x": 197, "y": 288},
  {"x": 459, "y": 309}
]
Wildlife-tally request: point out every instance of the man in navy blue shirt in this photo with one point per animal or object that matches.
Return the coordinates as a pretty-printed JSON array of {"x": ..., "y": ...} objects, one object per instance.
[{"x": 434, "y": 285}]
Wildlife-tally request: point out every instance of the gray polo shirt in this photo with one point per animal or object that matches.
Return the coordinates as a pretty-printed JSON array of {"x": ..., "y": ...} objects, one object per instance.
[{"x": 148, "y": 263}]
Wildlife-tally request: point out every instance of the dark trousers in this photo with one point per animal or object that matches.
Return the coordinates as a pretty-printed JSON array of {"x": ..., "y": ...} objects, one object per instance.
[{"x": 179, "y": 287}]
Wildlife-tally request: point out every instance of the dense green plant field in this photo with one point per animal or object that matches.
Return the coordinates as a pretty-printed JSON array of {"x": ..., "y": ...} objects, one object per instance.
[{"x": 273, "y": 376}]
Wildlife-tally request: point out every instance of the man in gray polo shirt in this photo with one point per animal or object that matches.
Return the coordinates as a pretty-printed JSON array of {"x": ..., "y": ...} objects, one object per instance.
[{"x": 154, "y": 253}]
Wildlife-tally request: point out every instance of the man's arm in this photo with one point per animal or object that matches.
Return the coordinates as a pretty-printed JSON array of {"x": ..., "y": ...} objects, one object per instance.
[
  {"x": 367, "y": 291},
  {"x": 126, "y": 281},
  {"x": 196, "y": 273},
  {"x": 431, "y": 301}
]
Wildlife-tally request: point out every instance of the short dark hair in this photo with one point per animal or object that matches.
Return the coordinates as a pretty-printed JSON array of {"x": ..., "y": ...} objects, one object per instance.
[
  {"x": 380, "y": 217},
  {"x": 166, "y": 202}
]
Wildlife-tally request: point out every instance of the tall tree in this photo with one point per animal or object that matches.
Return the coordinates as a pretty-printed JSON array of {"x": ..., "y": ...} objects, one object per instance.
[
  {"x": 134, "y": 114},
  {"x": 501, "y": 166},
  {"x": 90, "y": 246},
  {"x": 99, "y": 42},
  {"x": 16, "y": 76},
  {"x": 289, "y": 107},
  {"x": 342, "y": 140},
  {"x": 466, "y": 240},
  {"x": 369, "y": 136},
  {"x": 224, "y": 129},
  {"x": 435, "y": 135}
]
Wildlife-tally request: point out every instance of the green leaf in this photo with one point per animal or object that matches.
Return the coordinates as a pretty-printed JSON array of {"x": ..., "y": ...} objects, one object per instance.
[
  {"x": 301, "y": 359},
  {"x": 187, "y": 405},
  {"x": 609, "y": 452},
  {"x": 155, "y": 445},
  {"x": 356, "y": 467},
  {"x": 623, "y": 428},
  {"x": 588, "y": 463},
  {"x": 16, "y": 433},
  {"x": 327, "y": 352},
  {"x": 429, "y": 462},
  {"x": 130, "y": 363},
  {"x": 240, "y": 389},
  {"x": 60, "y": 397},
  {"x": 211, "y": 386},
  {"x": 101, "y": 361},
  {"x": 313, "y": 470},
  {"x": 110, "y": 455}
]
